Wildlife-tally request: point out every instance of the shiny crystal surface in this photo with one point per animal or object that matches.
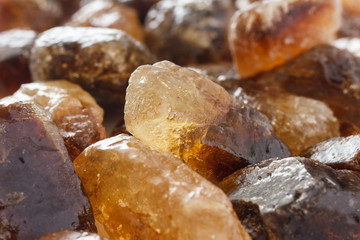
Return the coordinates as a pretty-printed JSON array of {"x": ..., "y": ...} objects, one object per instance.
[
  {"x": 108, "y": 14},
  {"x": 269, "y": 33},
  {"x": 139, "y": 193},
  {"x": 15, "y": 48},
  {"x": 295, "y": 198},
  {"x": 177, "y": 110},
  {"x": 195, "y": 27},
  {"x": 339, "y": 153},
  {"x": 39, "y": 190},
  {"x": 71, "y": 235},
  {"x": 99, "y": 59},
  {"x": 37, "y": 15},
  {"x": 73, "y": 110}
]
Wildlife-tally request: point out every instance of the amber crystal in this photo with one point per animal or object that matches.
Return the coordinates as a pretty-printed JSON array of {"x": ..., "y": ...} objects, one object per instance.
[
  {"x": 99, "y": 59},
  {"x": 272, "y": 32},
  {"x": 71, "y": 235},
  {"x": 39, "y": 190},
  {"x": 15, "y": 48},
  {"x": 38, "y": 15},
  {"x": 296, "y": 198},
  {"x": 189, "y": 31},
  {"x": 177, "y": 110},
  {"x": 139, "y": 193},
  {"x": 73, "y": 110},
  {"x": 142, "y": 6},
  {"x": 339, "y": 153},
  {"x": 109, "y": 14}
]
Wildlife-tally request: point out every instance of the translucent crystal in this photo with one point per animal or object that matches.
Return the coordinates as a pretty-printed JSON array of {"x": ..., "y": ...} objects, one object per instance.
[
  {"x": 296, "y": 198},
  {"x": 272, "y": 32},
  {"x": 71, "y": 235},
  {"x": 138, "y": 193},
  {"x": 189, "y": 31},
  {"x": 39, "y": 190},
  {"x": 99, "y": 59},
  {"x": 15, "y": 48},
  {"x": 339, "y": 153},
  {"x": 73, "y": 110},
  {"x": 38, "y": 15},
  {"x": 109, "y": 14},
  {"x": 177, "y": 110}
]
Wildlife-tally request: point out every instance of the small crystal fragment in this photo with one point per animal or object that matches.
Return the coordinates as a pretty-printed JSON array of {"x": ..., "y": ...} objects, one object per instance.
[
  {"x": 39, "y": 190},
  {"x": 273, "y": 32},
  {"x": 138, "y": 193},
  {"x": 339, "y": 153},
  {"x": 71, "y": 235},
  {"x": 37, "y": 15},
  {"x": 15, "y": 48},
  {"x": 108, "y": 14},
  {"x": 189, "y": 31},
  {"x": 100, "y": 60},
  {"x": 142, "y": 6},
  {"x": 296, "y": 198},
  {"x": 73, "y": 110},
  {"x": 177, "y": 110}
]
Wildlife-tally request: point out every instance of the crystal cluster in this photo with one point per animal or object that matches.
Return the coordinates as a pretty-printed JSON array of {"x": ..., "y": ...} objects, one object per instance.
[
  {"x": 39, "y": 190},
  {"x": 295, "y": 198},
  {"x": 98, "y": 59},
  {"x": 176, "y": 110},
  {"x": 139, "y": 193},
  {"x": 73, "y": 110}
]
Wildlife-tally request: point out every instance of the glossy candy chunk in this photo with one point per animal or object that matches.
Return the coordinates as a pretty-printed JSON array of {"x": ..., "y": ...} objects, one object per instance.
[
  {"x": 298, "y": 121},
  {"x": 109, "y": 14},
  {"x": 73, "y": 110},
  {"x": 176, "y": 110},
  {"x": 71, "y": 235},
  {"x": 100, "y": 60},
  {"x": 189, "y": 31},
  {"x": 339, "y": 153},
  {"x": 39, "y": 190},
  {"x": 296, "y": 198},
  {"x": 272, "y": 32},
  {"x": 15, "y": 48},
  {"x": 139, "y": 193},
  {"x": 37, "y": 15}
]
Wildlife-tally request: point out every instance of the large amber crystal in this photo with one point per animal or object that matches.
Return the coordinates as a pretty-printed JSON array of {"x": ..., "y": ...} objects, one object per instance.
[
  {"x": 176, "y": 110},
  {"x": 73, "y": 110},
  {"x": 39, "y": 190},
  {"x": 138, "y": 193},
  {"x": 296, "y": 198},
  {"x": 99, "y": 59},
  {"x": 270, "y": 33}
]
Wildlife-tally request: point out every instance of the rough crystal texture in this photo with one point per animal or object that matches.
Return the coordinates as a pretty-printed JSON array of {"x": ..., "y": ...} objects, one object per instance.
[
  {"x": 197, "y": 28},
  {"x": 39, "y": 190},
  {"x": 15, "y": 48},
  {"x": 138, "y": 193},
  {"x": 339, "y": 153},
  {"x": 99, "y": 59},
  {"x": 109, "y": 14},
  {"x": 180, "y": 111},
  {"x": 272, "y": 32},
  {"x": 73, "y": 110},
  {"x": 296, "y": 198},
  {"x": 71, "y": 235},
  {"x": 38, "y": 15},
  {"x": 298, "y": 121},
  {"x": 323, "y": 73}
]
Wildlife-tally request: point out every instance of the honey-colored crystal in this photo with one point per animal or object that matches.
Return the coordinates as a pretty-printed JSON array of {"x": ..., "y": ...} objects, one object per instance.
[
  {"x": 109, "y": 14},
  {"x": 73, "y": 110},
  {"x": 272, "y": 32},
  {"x": 139, "y": 193},
  {"x": 177, "y": 110}
]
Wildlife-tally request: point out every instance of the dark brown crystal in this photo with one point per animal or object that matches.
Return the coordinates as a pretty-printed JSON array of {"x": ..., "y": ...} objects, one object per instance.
[
  {"x": 39, "y": 190},
  {"x": 296, "y": 198}
]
